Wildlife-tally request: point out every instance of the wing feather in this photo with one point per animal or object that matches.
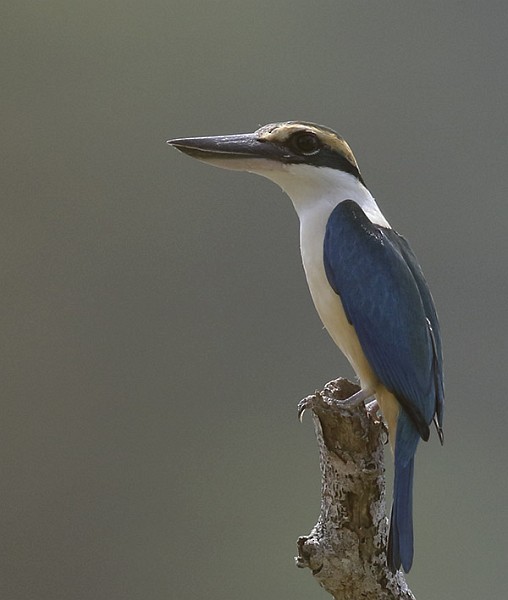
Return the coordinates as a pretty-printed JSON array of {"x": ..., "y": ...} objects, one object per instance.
[{"x": 387, "y": 301}]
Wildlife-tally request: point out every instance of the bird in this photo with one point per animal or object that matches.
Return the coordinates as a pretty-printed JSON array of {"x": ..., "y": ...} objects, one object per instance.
[{"x": 366, "y": 283}]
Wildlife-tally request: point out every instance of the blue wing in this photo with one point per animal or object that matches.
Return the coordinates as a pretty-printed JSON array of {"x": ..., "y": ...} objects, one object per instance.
[
  {"x": 387, "y": 300},
  {"x": 430, "y": 312}
]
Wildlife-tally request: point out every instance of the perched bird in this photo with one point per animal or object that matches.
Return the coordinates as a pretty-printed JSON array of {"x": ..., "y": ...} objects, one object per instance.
[{"x": 366, "y": 283}]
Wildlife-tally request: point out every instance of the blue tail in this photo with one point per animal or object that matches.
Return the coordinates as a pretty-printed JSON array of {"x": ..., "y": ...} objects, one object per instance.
[{"x": 400, "y": 539}]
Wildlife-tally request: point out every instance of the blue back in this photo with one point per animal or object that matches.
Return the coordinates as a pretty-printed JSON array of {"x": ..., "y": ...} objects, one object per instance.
[{"x": 387, "y": 300}]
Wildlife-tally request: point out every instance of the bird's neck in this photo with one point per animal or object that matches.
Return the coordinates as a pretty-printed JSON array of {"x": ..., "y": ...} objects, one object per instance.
[{"x": 316, "y": 191}]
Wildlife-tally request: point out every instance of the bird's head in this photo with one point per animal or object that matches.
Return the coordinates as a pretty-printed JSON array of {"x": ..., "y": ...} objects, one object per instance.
[
  {"x": 306, "y": 160},
  {"x": 273, "y": 147}
]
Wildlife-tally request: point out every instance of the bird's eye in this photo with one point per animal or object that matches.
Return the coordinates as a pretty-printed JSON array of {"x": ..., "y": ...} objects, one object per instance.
[{"x": 306, "y": 143}]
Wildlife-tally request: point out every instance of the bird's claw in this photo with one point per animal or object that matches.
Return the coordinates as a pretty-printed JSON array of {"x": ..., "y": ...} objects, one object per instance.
[
  {"x": 305, "y": 404},
  {"x": 372, "y": 409}
]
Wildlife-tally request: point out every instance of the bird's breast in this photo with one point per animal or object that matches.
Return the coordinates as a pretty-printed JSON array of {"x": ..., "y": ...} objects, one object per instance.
[
  {"x": 328, "y": 304},
  {"x": 331, "y": 311}
]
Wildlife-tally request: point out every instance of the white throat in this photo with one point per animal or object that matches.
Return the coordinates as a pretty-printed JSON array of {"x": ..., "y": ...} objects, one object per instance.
[{"x": 318, "y": 190}]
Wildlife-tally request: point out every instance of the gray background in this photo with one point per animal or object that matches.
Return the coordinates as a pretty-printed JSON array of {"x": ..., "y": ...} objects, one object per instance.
[{"x": 156, "y": 328}]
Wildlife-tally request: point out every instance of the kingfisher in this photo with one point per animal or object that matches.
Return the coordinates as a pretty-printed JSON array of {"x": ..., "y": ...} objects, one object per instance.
[{"x": 366, "y": 283}]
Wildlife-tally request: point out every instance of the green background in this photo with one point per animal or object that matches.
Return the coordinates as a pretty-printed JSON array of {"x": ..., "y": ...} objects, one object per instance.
[{"x": 156, "y": 328}]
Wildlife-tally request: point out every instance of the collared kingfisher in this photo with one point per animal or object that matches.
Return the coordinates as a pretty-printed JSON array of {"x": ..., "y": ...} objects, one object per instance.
[{"x": 366, "y": 284}]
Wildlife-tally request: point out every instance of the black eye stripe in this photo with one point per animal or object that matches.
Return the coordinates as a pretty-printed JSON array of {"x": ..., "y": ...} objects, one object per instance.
[{"x": 306, "y": 147}]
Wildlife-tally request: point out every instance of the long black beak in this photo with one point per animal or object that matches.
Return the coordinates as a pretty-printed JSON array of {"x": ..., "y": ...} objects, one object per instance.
[
  {"x": 234, "y": 146},
  {"x": 221, "y": 148}
]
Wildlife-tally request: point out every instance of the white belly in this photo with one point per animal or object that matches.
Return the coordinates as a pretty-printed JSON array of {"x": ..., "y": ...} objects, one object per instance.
[
  {"x": 331, "y": 311},
  {"x": 328, "y": 303}
]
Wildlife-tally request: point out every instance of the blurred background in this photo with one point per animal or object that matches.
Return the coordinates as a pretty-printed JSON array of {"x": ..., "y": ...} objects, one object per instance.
[{"x": 157, "y": 331}]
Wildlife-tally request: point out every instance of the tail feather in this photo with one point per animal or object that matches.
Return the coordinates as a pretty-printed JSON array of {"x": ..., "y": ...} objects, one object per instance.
[{"x": 400, "y": 539}]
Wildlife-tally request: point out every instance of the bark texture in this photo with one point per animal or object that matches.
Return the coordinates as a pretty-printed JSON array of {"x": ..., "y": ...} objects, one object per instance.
[{"x": 346, "y": 549}]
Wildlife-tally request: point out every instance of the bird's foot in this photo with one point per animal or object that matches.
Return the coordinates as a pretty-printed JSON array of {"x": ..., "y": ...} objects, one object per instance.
[
  {"x": 329, "y": 393},
  {"x": 361, "y": 396}
]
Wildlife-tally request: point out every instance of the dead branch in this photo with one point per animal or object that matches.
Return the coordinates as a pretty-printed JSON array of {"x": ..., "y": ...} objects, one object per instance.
[{"x": 346, "y": 548}]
